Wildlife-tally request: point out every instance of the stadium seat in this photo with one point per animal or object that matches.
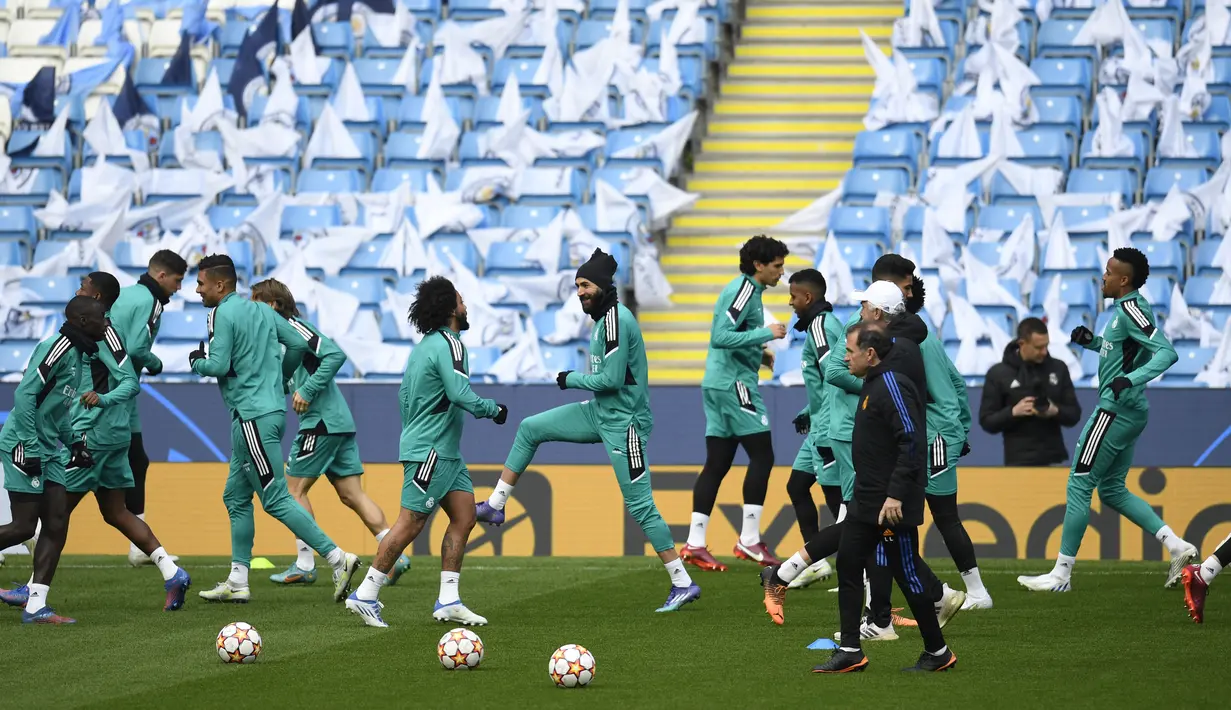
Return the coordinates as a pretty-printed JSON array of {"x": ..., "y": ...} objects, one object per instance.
[
  {"x": 1166, "y": 258},
  {"x": 528, "y": 216},
  {"x": 1063, "y": 75},
  {"x": 861, "y": 222},
  {"x": 888, "y": 148},
  {"x": 1005, "y": 218},
  {"x": 1077, "y": 291},
  {"x": 51, "y": 291},
  {"x": 509, "y": 259},
  {"x": 460, "y": 247},
  {"x": 367, "y": 260},
  {"x": 298, "y": 219},
  {"x": 370, "y": 290},
  {"x": 558, "y": 358},
  {"x": 1097, "y": 181},
  {"x": 1203, "y": 257},
  {"x": 187, "y": 326},
  {"x": 1159, "y": 181},
  {"x": 862, "y": 185},
  {"x": 1192, "y": 360},
  {"x": 1085, "y": 253},
  {"x": 14, "y": 354},
  {"x": 331, "y": 181}
]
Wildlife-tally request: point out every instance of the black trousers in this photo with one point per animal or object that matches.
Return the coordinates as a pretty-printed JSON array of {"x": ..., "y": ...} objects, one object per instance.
[{"x": 899, "y": 550}]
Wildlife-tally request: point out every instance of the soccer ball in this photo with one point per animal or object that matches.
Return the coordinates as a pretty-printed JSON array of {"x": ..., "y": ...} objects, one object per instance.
[
  {"x": 460, "y": 649},
  {"x": 571, "y": 666},
  {"x": 239, "y": 643}
]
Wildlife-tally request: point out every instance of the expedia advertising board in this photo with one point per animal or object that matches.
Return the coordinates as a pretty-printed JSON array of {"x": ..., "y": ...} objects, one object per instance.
[{"x": 577, "y": 511}]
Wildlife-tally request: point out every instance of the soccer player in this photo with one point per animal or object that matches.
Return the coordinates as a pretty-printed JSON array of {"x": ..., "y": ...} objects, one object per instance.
[
  {"x": 246, "y": 357},
  {"x": 434, "y": 394},
  {"x": 948, "y": 427},
  {"x": 136, "y": 316},
  {"x": 33, "y": 472},
  {"x": 734, "y": 412},
  {"x": 326, "y": 443},
  {"x": 815, "y": 462},
  {"x": 102, "y": 414},
  {"x": 887, "y": 505},
  {"x": 618, "y": 417},
  {"x": 1197, "y": 579},
  {"x": 1132, "y": 351}
]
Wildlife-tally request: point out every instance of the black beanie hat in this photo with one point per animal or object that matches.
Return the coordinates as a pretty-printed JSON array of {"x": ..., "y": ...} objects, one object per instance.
[{"x": 599, "y": 270}]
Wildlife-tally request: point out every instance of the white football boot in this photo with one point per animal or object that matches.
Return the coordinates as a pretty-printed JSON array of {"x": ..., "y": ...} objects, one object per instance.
[
  {"x": 1050, "y": 582},
  {"x": 224, "y": 593},
  {"x": 1178, "y": 563},
  {"x": 457, "y": 612},
  {"x": 951, "y": 602},
  {"x": 343, "y": 575},
  {"x": 977, "y": 601},
  {"x": 871, "y": 632},
  {"x": 817, "y": 572}
]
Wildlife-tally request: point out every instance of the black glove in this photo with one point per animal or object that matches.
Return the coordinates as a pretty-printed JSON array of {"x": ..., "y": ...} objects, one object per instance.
[
  {"x": 155, "y": 369},
  {"x": 965, "y": 448},
  {"x": 502, "y": 415},
  {"x": 803, "y": 423},
  {"x": 32, "y": 467},
  {"x": 1082, "y": 336},
  {"x": 561, "y": 379},
  {"x": 1118, "y": 385},
  {"x": 79, "y": 456},
  {"x": 198, "y": 354}
]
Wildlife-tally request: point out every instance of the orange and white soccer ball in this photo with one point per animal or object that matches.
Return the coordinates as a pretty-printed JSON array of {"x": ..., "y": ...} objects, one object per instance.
[
  {"x": 460, "y": 649},
  {"x": 571, "y": 666},
  {"x": 239, "y": 643}
]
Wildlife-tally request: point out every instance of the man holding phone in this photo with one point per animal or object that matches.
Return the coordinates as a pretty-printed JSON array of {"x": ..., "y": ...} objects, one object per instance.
[{"x": 1028, "y": 397}]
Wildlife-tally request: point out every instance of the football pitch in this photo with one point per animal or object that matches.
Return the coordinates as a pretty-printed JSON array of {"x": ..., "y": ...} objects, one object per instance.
[{"x": 1118, "y": 640}]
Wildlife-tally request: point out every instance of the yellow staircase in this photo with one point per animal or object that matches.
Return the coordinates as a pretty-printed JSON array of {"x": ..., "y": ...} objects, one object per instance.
[{"x": 779, "y": 137}]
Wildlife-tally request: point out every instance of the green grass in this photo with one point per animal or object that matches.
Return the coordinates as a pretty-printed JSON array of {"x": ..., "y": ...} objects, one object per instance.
[{"x": 1119, "y": 640}]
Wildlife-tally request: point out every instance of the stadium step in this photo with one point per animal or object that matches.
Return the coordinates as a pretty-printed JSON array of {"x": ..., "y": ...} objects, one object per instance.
[{"x": 779, "y": 135}]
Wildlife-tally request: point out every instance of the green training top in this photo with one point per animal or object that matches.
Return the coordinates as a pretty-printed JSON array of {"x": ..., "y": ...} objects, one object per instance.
[
  {"x": 110, "y": 374},
  {"x": 736, "y": 336},
  {"x": 245, "y": 355},
  {"x": 434, "y": 391},
  {"x": 312, "y": 361},
  {"x": 618, "y": 373},
  {"x": 820, "y": 347},
  {"x": 948, "y": 407},
  {"x": 136, "y": 316},
  {"x": 848, "y": 387},
  {"x": 40, "y": 402},
  {"x": 1131, "y": 346}
]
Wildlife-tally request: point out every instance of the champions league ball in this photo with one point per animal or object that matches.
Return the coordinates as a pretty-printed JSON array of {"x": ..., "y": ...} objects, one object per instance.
[
  {"x": 571, "y": 666},
  {"x": 460, "y": 649},
  {"x": 239, "y": 643}
]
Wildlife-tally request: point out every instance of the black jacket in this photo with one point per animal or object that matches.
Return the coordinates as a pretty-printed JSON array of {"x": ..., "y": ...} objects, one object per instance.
[
  {"x": 889, "y": 445},
  {"x": 909, "y": 331},
  {"x": 1029, "y": 441}
]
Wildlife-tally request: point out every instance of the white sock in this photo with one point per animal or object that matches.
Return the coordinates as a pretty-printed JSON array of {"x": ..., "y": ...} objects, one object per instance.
[
  {"x": 500, "y": 496},
  {"x": 1210, "y": 569},
  {"x": 679, "y": 575},
  {"x": 165, "y": 565},
  {"x": 381, "y": 535},
  {"x": 449, "y": 582},
  {"x": 238, "y": 578},
  {"x": 792, "y": 568},
  {"x": 751, "y": 534},
  {"x": 848, "y": 649},
  {"x": 974, "y": 583},
  {"x": 38, "y": 597},
  {"x": 941, "y": 652},
  {"x": 696, "y": 531},
  {"x": 306, "y": 560},
  {"x": 1064, "y": 566},
  {"x": 336, "y": 558},
  {"x": 1174, "y": 543},
  {"x": 372, "y": 582}
]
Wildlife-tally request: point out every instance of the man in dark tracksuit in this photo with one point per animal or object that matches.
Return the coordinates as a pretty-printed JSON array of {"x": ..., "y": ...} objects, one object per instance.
[{"x": 889, "y": 448}]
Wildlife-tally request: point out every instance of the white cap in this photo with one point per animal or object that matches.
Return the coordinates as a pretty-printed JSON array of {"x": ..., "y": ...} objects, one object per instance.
[{"x": 884, "y": 295}]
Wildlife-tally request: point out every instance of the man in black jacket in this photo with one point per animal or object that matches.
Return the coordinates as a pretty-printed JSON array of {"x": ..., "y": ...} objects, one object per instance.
[
  {"x": 1028, "y": 397},
  {"x": 890, "y": 453}
]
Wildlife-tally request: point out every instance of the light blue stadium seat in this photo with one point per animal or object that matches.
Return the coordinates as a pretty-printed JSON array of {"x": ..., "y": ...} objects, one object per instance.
[
  {"x": 482, "y": 359},
  {"x": 411, "y": 109},
  {"x": 590, "y": 32},
  {"x": 528, "y": 216},
  {"x": 1193, "y": 360},
  {"x": 1166, "y": 258},
  {"x": 1218, "y": 113},
  {"x": 486, "y": 108},
  {"x": 860, "y": 254},
  {"x": 1003, "y": 193},
  {"x": 408, "y": 284},
  {"x": 473, "y": 10},
  {"x": 861, "y": 222},
  {"x": 1156, "y": 29},
  {"x": 929, "y": 72},
  {"x": 14, "y": 354},
  {"x": 1076, "y": 290},
  {"x": 523, "y": 70},
  {"x": 1203, "y": 257},
  {"x": 553, "y": 186},
  {"x": 49, "y": 291},
  {"x": 298, "y": 219},
  {"x": 206, "y": 141},
  {"x": 12, "y": 253},
  {"x": 333, "y": 181},
  {"x": 558, "y": 358},
  {"x": 224, "y": 66},
  {"x": 986, "y": 252},
  {"x": 402, "y": 151},
  {"x": 334, "y": 39},
  {"x": 41, "y": 185},
  {"x": 134, "y": 140},
  {"x": 470, "y": 154},
  {"x": 1199, "y": 292},
  {"x": 376, "y": 76},
  {"x": 1085, "y": 254},
  {"x": 366, "y": 260},
  {"x": 1159, "y": 180},
  {"x": 17, "y": 223},
  {"x": 460, "y": 247},
  {"x": 888, "y": 148},
  {"x": 388, "y": 179},
  {"x": 509, "y": 259},
  {"x": 1046, "y": 146},
  {"x": 186, "y": 325},
  {"x": 221, "y": 217},
  {"x": 605, "y": 9},
  {"x": 1204, "y": 142},
  {"x": 700, "y": 40},
  {"x": 370, "y": 290},
  {"x": 861, "y": 185},
  {"x": 231, "y": 36},
  {"x": 1059, "y": 110},
  {"x": 1136, "y": 162},
  {"x": 467, "y": 89},
  {"x": 1098, "y": 181},
  {"x": 147, "y": 77},
  {"x": 1067, "y": 75},
  {"x": 1007, "y": 217},
  {"x": 788, "y": 360},
  {"x": 1055, "y": 39},
  {"x": 1076, "y": 217}
]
